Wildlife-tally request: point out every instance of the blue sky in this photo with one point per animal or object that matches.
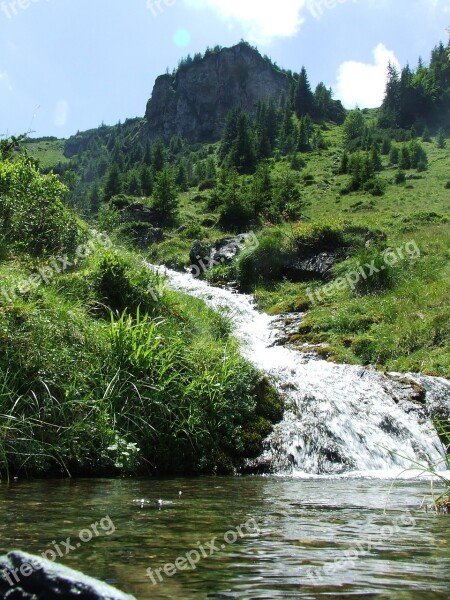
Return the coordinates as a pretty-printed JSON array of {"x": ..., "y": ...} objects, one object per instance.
[{"x": 68, "y": 65}]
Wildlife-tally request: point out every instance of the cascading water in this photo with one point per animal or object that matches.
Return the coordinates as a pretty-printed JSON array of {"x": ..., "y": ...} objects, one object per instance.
[{"x": 340, "y": 418}]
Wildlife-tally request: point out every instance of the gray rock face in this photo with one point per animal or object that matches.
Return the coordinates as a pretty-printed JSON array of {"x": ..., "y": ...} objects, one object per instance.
[
  {"x": 195, "y": 103},
  {"x": 222, "y": 252},
  {"x": 27, "y": 577},
  {"x": 316, "y": 265},
  {"x": 225, "y": 250}
]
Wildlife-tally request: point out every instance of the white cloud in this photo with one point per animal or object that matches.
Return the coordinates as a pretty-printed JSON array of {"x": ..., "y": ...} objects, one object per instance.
[
  {"x": 61, "y": 113},
  {"x": 364, "y": 84},
  {"x": 262, "y": 20}
]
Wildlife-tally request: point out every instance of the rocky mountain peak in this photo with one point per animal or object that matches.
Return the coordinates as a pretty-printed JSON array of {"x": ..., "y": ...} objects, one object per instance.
[{"x": 194, "y": 102}]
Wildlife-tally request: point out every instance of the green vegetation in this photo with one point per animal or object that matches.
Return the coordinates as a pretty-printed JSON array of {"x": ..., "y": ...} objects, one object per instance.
[
  {"x": 97, "y": 376},
  {"x": 380, "y": 177},
  {"x": 351, "y": 211}
]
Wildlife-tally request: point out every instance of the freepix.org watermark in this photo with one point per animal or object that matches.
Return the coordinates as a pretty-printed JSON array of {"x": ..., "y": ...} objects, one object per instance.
[
  {"x": 58, "y": 550},
  {"x": 409, "y": 251},
  {"x": 156, "y": 7},
  {"x": 57, "y": 266},
  {"x": 11, "y": 8},
  {"x": 374, "y": 539},
  {"x": 190, "y": 560},
  {"x": 318, "y": 7}
]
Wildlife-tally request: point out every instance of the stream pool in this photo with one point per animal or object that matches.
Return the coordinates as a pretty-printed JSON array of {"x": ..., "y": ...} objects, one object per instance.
[{"x": 255, "y": 537}]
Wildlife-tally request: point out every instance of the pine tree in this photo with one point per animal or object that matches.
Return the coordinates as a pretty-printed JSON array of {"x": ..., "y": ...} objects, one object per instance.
[
  {"x": 394, "y": 155},
  {"x": 146, "y": 180},
  {"x": 441, "y": 141},
  {"x": 230, "y": 133},
  {"x": 262, "y": 188},
  {"x": 211, "y": 169},
  {"x": 148, "y": 159},
  {"x": 159, "y": 156},
  {"x": 344, "y": 164},
  {"x": 390, "y": 109},
  {"x": 375, "y": 158},
  {"x": 94, "y": 199},
  {"x": 303, "y": 96},
  {"x": 418, "y": 156},
  {"x": 243, "y": 154},
  {"x": 113, "y": 185},
  {"x": 322, "y": 101},
  {"x": 426, "y": 137},
  {"x": 405, "y": 158},
  {"x": 165, "y": 195},
  {"x": 304, "y": 134},
  {"x": 386, "y": 145},
  {"x": 133, "y": 186},
  {"x": 181, "y": 178}
]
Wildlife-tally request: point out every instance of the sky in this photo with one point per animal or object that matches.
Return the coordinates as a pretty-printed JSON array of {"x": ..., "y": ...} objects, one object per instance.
[{"x": 71, "y": 65}]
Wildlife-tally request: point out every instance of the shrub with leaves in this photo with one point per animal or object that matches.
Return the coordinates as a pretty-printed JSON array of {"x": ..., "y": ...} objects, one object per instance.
[{"x": 32, "y": 215}]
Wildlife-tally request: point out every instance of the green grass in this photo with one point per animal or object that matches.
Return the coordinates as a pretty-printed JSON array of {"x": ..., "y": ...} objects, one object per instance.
[
  {"x": 153, "y": 387},
  {"x": 398, "y": 320},
  {"x": 49, "y": 154}
]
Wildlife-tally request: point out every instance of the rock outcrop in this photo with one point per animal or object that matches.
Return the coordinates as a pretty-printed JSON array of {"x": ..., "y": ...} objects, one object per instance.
[
  {"x": 27, "y": 577},
  {"x": 194, "y": 102}
]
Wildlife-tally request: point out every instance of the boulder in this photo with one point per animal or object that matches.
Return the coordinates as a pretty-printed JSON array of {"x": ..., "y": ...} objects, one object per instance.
[
  {"x": 225, "y": 250},
  {"x": 315, "y": 265},
  {"x": 222, "y": 252},
  {"x": 27, "y": 577}
]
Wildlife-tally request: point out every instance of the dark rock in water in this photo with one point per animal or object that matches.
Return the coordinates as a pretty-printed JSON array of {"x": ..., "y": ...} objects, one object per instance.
[
  {"x": 222, "y": 252},
  {"x": 225, "y": 250},
  {"x": 195, "y": 102},
  {"x": 199, "y": 251},
  {"x": 315, "y": 265},
  {"x": 27, "y": 577}
]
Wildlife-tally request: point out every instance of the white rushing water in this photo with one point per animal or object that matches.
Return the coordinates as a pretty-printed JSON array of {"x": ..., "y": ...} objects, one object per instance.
[{"x": 340, "y": 419}]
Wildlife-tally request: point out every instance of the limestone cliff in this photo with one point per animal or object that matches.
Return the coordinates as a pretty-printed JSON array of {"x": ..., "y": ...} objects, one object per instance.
[{"x": 195, "y": 101}]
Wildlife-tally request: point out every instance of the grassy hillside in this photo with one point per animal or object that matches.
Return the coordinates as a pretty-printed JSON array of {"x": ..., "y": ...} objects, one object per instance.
[
  {"x": 97, "y": 376},
  {"x": 48, "y": 153},
  {"x": 402, "y": 324}
]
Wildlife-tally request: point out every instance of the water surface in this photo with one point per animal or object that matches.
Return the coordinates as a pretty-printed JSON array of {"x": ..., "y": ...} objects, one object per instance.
[{"x": 316, "y": 538}]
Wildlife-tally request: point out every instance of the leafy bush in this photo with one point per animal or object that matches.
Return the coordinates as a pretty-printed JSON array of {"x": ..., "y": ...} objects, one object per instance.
[
  {"x": 207, "y": 184},
  {"x": 318, "y": 236},
  {"x": 122, "y": 285},
  {"x": 263, "y": 262},
  {"x": 376, "y": 186},
  {"x": 32, "y": 215}
]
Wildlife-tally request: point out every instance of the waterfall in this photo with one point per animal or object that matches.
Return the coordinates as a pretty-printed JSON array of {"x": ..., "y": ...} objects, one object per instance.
[{"x": 339, "y": 419}]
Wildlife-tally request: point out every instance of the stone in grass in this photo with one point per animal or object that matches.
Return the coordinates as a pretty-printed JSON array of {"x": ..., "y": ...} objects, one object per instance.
[{"x": 27, "y": 577}]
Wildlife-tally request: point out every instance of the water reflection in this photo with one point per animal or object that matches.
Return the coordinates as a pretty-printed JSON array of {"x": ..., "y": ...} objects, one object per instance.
[{"x": 319, "y": 538}]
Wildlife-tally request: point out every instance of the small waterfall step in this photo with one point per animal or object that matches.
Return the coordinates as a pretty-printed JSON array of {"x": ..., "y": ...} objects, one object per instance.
[{"x": 340, "y": 418}]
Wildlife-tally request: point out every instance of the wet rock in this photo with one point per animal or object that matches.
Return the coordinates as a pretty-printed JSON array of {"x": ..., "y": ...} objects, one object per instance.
[
  {"x": 27, "y": 577},
  {"x": 225, "y": 250},
  {"x": 222, "y": 252},
  {"x": 313, "y": 266}
]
